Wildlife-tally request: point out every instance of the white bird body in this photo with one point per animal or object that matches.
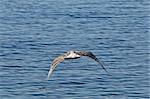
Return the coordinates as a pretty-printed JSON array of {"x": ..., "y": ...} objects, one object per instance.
[{"x": 72, "y": 55}]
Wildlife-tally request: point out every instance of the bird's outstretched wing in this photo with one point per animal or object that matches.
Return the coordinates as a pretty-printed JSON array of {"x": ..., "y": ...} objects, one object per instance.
[
  {"x": 92, "y": 56},
  {"x": 54, "y": 63}
]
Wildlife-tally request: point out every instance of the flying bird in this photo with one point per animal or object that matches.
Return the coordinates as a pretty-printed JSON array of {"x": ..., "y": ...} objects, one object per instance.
[{"x": 72, "y": 55}]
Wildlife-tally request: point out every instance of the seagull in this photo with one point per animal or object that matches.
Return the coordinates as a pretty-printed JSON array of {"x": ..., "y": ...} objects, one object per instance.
[{"x": 72, "y": 55}]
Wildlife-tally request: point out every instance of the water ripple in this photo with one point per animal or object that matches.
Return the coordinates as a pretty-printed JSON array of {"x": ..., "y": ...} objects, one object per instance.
[{"x": 33, "y": 32}]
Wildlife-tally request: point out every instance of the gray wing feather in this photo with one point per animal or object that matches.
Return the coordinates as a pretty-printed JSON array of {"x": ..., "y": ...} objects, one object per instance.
[
  {"x": 92, "y": 56},
  {"x": 54, "y": 63}
]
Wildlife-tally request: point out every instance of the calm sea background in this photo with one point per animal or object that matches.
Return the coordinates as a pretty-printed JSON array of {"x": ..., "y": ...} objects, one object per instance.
[{"x": 33, "y": 32}]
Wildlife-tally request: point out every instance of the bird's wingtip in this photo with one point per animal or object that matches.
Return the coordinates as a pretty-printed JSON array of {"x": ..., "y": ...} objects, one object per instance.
[{"x": 49, "y": 74}]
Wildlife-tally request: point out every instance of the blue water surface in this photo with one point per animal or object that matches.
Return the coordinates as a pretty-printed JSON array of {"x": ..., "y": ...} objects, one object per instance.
[{"x": 33, "y": 32}]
